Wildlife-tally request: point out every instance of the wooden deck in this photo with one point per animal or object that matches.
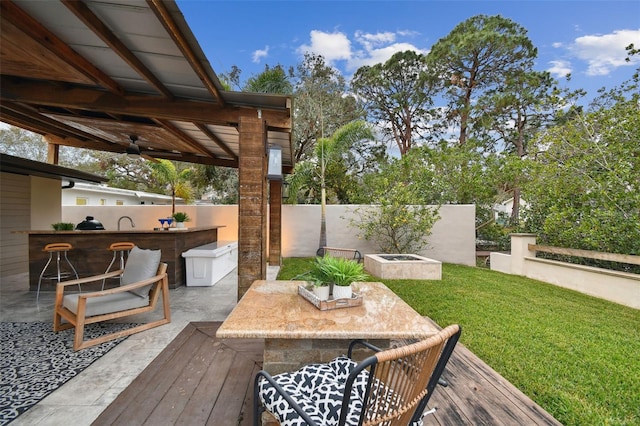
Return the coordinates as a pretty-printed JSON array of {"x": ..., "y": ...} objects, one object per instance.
[{"x": 201, "y": 380}]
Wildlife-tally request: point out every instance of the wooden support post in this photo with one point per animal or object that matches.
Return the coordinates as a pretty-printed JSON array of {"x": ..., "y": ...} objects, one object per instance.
[
  {"x": 53, "y": 151},
  {"x": 275, "y": 222},
  {"x": 252, "y": 208}
]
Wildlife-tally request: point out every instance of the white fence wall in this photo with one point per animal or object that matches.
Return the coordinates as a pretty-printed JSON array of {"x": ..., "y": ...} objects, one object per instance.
[
  {"x": 452, "y": 240},
  {"x": 618, "y": 287}
]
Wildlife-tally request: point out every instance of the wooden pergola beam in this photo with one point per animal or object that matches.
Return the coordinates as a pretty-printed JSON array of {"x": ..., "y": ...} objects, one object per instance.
[
  {"x": 163, "y": 14},
  {"x": 84, "y": 98}
]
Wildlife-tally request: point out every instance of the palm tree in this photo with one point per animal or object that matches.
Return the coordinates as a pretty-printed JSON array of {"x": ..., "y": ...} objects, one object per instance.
[
  {"x": 327, "y": 151},
  {"x": 176, "y": 182}
]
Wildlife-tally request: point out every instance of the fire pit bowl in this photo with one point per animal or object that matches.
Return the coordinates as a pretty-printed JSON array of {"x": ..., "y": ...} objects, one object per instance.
[{"x": 402, "y": 267}]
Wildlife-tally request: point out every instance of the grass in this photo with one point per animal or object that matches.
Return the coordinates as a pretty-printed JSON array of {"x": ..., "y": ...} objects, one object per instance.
[{"x": 576, "y": 356}]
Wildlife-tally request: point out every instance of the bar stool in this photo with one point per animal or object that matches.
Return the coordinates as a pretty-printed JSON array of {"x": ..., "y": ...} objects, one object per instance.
[
  {"x": 118, "y": 248},
  {"x": 56, "y": 248}
]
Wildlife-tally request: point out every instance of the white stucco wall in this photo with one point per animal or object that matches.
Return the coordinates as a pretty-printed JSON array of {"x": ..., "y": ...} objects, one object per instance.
[
  {"x": 45, "y": 202},
  {"x": 452, "y": 240},
  {"x": 615, "y": 286}
]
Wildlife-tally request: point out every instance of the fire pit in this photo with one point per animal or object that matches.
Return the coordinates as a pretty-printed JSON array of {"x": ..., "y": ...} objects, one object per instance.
[{"x": 403, "y": 267}]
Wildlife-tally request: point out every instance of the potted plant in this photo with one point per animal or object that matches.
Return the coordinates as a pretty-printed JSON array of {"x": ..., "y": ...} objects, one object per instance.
[
  {"x": 63, "y": 226},
  {"x": 321, "y": 288},
  {"x": 340, "y": 272},
  {"x": 180, "y": 218}
]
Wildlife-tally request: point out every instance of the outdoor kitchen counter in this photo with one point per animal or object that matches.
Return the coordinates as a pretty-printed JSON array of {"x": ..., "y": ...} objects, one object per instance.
[{"x": 90, "y": 254}]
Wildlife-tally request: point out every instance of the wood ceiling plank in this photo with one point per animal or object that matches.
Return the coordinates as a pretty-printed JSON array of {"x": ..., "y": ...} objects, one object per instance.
[
  {"x": 92, "y": 21},
  {"x": 36, "y": 31},
  {"x": 21, "y": 55},
  {"x": 204, "y": 129},
  {"x": 190, "y": 143}
]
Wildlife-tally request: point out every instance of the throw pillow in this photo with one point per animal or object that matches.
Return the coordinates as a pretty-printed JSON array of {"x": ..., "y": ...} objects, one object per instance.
[{"x": 141, "y": 265}]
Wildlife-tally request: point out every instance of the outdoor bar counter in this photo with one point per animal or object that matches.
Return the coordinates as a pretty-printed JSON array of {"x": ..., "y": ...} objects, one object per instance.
[{"x": 91, "y": 256}]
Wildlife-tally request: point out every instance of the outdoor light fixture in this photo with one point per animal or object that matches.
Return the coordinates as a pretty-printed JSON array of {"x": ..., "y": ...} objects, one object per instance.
[
  {"x": 274, "y": 169},
  {"x": 133, "y": 150}
]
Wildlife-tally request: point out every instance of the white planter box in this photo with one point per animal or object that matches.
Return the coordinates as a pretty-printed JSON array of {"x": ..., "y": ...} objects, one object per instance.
[{"x": 209, "y": 263}]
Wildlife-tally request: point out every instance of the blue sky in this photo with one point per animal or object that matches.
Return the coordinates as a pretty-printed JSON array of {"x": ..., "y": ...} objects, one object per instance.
[{"x": 585, "y": 38}]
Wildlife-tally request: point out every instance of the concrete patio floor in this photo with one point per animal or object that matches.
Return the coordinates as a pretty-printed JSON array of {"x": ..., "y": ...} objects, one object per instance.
[{"x": 83, "y": 398}]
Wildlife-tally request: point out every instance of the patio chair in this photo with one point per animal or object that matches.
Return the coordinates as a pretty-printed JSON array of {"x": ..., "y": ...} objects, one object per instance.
[
  {"x": 346, "y": 253},
  {"x": 391, "y": 387},
  {"x": 143, "y": 278}
]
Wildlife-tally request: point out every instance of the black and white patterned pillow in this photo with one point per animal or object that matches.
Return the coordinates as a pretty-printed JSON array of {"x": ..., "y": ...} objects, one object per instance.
[{"x": 318, "y": 389}]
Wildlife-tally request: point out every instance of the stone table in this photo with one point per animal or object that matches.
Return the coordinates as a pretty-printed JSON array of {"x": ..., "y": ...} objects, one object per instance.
[{"x": 298, "y": 333}]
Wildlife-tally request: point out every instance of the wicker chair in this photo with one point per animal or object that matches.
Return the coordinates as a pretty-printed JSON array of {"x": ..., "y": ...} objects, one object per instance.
[{"x": 391, "y": 387}]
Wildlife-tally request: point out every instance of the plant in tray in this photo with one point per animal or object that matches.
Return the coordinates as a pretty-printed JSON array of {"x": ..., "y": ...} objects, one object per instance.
[
  {"x": 180, "y": 218},
  {"x": 340, "y": 272}
]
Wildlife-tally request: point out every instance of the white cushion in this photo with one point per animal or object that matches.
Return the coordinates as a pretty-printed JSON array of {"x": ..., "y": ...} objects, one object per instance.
[
  {"x": 141, "y": 265},
  {"x": 106, "y": 304}
]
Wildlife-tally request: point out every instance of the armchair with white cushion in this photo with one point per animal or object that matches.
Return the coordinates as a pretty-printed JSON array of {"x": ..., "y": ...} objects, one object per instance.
[{"x": 143, "y": 279}]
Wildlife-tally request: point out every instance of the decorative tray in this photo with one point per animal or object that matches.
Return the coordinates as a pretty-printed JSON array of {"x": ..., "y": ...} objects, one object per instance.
[{"x": 331, "y": 303}]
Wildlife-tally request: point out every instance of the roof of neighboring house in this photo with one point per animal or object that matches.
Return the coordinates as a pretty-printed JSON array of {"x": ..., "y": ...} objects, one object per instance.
[
  {"x": 22, "y": 166},
  {"x": 102, "y": 189}
]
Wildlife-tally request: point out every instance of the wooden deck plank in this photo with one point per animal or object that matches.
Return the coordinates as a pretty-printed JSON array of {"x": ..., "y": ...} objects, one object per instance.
[
  {"x": 505, "y": 390},
  {"x": 234, "y": 394},
  {"x": 147, "y": 393},
  {"x": 184, "y": 387},
  {"x": 199, "y": 379},
  {"x": 197, "y": 409},
  {"x": 145, "y": 378},
  {"x": 153, "y": 397}
]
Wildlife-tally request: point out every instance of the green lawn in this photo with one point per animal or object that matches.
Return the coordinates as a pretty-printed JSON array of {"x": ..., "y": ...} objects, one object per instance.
[{"x": 578, "y": 357}]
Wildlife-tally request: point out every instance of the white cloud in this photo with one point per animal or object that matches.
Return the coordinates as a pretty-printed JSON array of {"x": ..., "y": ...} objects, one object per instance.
[
  {"x": 604, "y": 53},
  {"x": 332, "y": 46},
  {"x": 259, "y": 54},
  {"x": 559, "y": 68},
  {"x": 370, "y": 41},
  {"x": 376, "y": 56},
  {"x": 372, "y": 48}
]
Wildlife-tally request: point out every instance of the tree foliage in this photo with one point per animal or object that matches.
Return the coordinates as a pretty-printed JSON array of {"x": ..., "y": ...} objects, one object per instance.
[
  {"x": 176, "y": 182},
  {"x": 331, "y": 155},
  {"x": 398, "y": 97},
  {"x": 585, "y": 186},
  {"x": 271, "y": 80},
  {"x": 399, "y": 219},
  {"x": 511, "y": 115},
  {"x": 22, "y": 143},
  {"x": 476, "y": 56},
  {"x": 321, "y": 104}
]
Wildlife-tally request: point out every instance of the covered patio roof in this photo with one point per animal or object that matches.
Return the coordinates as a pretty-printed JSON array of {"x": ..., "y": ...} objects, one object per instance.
[
  {"x": 113, "y": 75},
  {"x": 92, "y": 74}
]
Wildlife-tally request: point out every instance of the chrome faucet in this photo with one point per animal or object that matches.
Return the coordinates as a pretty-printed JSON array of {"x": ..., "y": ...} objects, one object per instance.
[{"x": 126, "y": 217}]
